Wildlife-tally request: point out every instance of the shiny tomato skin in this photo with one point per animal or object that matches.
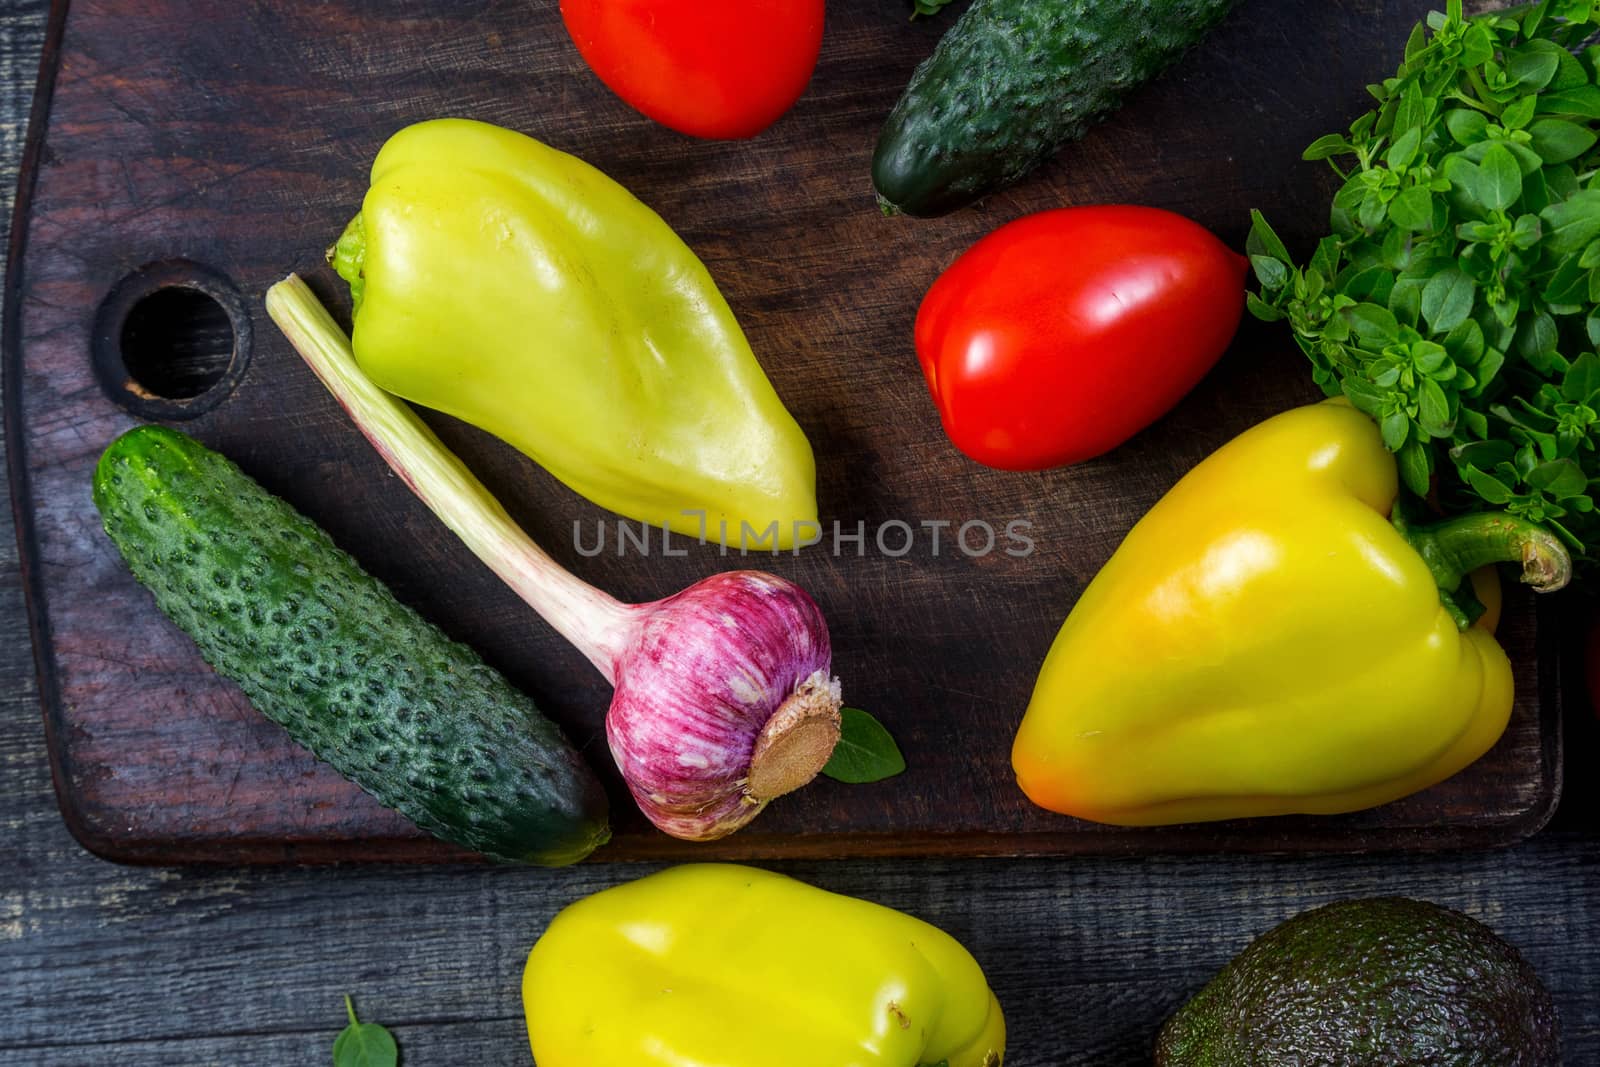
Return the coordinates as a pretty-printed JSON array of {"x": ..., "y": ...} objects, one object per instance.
[
  {"x": 719, "y": 69},
  {"x": 1059, "y": 336}
]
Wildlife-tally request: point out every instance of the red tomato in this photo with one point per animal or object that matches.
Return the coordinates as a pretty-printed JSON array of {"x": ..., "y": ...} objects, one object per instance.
[
  {"x": 710, "y": 68},
  {"x": 1062, "y": 334}
]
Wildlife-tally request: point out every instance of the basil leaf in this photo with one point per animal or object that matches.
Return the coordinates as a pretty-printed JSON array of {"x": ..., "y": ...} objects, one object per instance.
[
  {"x": 1412, "y": 209},
  {"x": 1373, "y": 323},
  {"x": 1466, "y": 125},
  {"x": 1499, "y": 179},
  {"x": 1262, "y": 310},
  {"x": 1403, "y": 150},
  {"x": 1582, "y": 380},
  {"x": 1534, "y": 64},
  {"x": 1416, "y": 467},
  {"x": 1582, "y": 102},
  {"x": 865, "y": 753},
  {"x": 1492, "y": 489},
  {"x": 1561, "y": 478},
  {"x": 1572, "y": 223},
  {"x": 1396, "y": 427},
  {"x": 1270, "y": 272},
  {"x": 1447, "y": 299},
  {"x": 1557, "y": 140},
  {"x": 1517, "y": 115},
  {"x": 1569, "y": 285},
  {"x": 364, "y": 1044},
  {"x": 1483, "y": 454},
  {"x": 1333, "y": 144},
  {"x": 1465, "y": 343},
  {"x": 1433, "y": 410},
  {"x": 1263, "y": 241},
  {"x": 1405, "y": 302}
]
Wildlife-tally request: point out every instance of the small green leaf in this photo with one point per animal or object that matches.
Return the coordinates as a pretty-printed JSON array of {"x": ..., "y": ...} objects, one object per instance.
[
  {"x": 1568, "y": 286},
  {"x": 1582, "y": 380},
  {"x": 1492, "y": 489},
  {"x": 1334, "y": 144},
  {"x": 1447, "y": 299},
  {"x": 1364, "y": 396},
  {"x": 1488, "y": 367},
  {"x": 1412, "y": 210},
  {"x": 1404, "y": 149},
  {"x": 1433, "y": 410},
  {"x": 1534, "y": 64},
  {"x": 1526, "y": 233},
  {"x": 364, "y": 1044},
  {"x": 1373, "y": 323},
  {"x": 1270, "y": 272},
  {"x": 1396, "y": 426},
  {"x": 1373, "y": 284},
  {"x": 1499, "y": 179},
  {"x": 1263, "y": 241},
  {"x": 1465, "y": 343},
  {"x": 1414, "y": 108},
  {"x": 1582, "y": 102},
  {"x": 865, "y": 753},
  {"x": 1466, "y": 125},
  {"x": 1558, "y": 141},
  {"x": 1416, "y": 466},
  {"x": 1485, "y": 455},
  {"x": 1572, "y": 223},
  {"x": 1563, "y": 182},
  {"x": 1405, "y": 302},
  {"x": 1537, "y": 338},
  {"x": 1262, "y": 310},
  {"x": 1518, "y": 114},
  {"x": 1561, "y": 478}
]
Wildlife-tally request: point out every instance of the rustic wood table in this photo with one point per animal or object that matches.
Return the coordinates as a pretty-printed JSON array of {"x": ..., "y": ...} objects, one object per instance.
[{"x": 207, "y": 966}]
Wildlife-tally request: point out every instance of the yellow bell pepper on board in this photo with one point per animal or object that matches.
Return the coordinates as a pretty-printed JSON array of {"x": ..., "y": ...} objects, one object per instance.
[
  {"x": 1267, "y": 641},
  {"x": 713, "y": 965},
  {"x": 521, "y": 290}
]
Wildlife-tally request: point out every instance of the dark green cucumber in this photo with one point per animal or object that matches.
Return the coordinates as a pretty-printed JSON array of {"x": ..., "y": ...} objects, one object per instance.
[
  {"x": 1014, "y": 80},
  {"x": 325, "y": 650}
]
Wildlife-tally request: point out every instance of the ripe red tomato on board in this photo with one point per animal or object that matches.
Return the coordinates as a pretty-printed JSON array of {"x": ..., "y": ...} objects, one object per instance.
[
  {"x": 711, "y": 68},
  {"x": 1059, "y": 336}
]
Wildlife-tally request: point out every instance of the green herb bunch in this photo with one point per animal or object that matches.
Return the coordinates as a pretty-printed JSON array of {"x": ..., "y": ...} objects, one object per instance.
[{"x": 1457, "y": 301}]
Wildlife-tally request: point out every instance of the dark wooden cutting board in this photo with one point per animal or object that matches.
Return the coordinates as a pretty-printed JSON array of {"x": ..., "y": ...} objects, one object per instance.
[{"x": 223, "y": 143}]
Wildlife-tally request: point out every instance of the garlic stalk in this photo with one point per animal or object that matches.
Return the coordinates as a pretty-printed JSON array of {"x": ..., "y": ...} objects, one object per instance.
[{"x": 724, "y": 693}]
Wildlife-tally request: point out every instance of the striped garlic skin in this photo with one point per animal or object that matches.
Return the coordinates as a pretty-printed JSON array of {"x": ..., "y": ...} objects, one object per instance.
[{"x": 703, "y": 673}]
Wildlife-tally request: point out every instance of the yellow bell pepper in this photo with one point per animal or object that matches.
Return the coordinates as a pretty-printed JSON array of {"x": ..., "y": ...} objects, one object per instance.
[
  {"x": 712, "y": 965},
  {"x": 521, "y": 290},
  {"x": 1268, "y": 641}
]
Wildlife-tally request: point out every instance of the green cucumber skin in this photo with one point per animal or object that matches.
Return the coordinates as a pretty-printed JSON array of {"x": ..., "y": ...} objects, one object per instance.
[
  {"x": 325, "y": 650},
  {"x": 1014, "y": 80}
]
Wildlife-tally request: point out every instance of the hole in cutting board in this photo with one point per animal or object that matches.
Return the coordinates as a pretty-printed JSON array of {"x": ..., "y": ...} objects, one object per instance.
[
  {"x": 171, "y": 340},
  {"x": 177, "y": 343}
]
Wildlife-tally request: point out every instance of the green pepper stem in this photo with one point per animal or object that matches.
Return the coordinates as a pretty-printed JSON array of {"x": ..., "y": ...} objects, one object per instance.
[
  {"x": 599, "y": 625},
  {"x": 1455, "y": 548}
]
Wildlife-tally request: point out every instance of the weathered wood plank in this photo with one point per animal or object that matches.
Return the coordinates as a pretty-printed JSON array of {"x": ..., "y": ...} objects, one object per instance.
[{"x": 107, "y": 954}]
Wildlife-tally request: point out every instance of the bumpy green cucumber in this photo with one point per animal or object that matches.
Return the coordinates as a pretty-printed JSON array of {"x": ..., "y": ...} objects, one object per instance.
[
  {"x": 1014, "y": 80},
  {"x": 325, "y": 650}
]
